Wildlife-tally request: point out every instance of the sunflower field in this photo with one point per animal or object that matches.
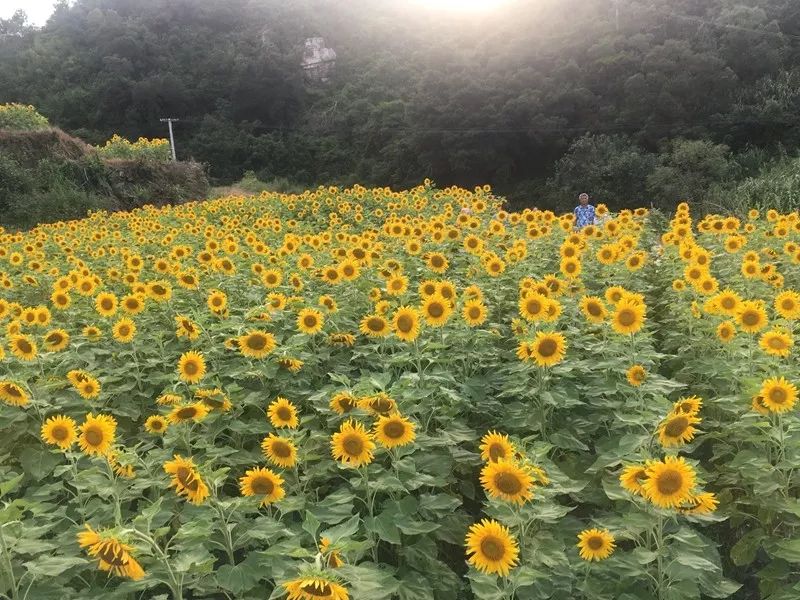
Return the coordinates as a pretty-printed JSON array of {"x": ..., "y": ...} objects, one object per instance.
[{"x": 360, "y": 393}]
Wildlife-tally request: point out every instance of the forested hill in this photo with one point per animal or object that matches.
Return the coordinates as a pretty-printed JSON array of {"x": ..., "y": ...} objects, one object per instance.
[{"x": 635, "y": 99}]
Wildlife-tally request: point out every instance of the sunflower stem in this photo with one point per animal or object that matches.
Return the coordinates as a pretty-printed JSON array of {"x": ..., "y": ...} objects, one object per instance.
[
  {"x": 175, "y": 586},
  {"x": 9, "y": 566}
]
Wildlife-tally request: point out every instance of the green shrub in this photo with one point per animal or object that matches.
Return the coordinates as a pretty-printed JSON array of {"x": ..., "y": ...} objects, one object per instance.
[{"x": 21, "y": 117}]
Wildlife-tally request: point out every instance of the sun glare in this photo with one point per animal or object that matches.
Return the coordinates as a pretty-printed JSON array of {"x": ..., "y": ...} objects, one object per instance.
[{"x": 461, "y": 5}]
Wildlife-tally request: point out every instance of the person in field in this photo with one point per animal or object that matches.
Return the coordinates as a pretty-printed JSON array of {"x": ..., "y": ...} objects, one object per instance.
[{"x": 584, "y": 212}]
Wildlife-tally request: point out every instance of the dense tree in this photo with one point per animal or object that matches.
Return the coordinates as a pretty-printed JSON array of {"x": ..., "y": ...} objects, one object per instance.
[{"x": 505, "y": 99}]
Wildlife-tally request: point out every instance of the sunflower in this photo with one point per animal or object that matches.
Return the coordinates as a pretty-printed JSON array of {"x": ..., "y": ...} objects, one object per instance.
[
  {"x": 217, "y": 301},
  {"x": 263, "y": 483},
  {"x": 352, "y": 444},
  {"x": 636, "y": 375},
  {"x": 397, "y": 284},
  {"x": 56, "y": 340},
  {"x": 97, "y": 434},
  {"x": 677, "y": 429},
  {"x": 436, "y": 309},
  {"x": 491, "y": 548},
  {"x": 341, "y": 339},
  {"x": 22, "y": 346},
  {"x": 533, "y": 307},
  {"x": 728, "y": 302},
  {"x": 280, "y": 451},
  {"x": 700, "y": 504},
  {"x": 474, "y": 313},
  {"x": 437, "y": 262},
  {"x": 787, "y": 304},
  {"x": 293, "y": 365},
  {"x": 186, "y": 480},
  {"x": 310, "y": 321},
  {"x": 776, "y": 343},
  {"x": 394, "y": 430},
  {"x": 88, "y": 387},
  {"x": 669, "y": 482},
  {"x": 191, "y": 367},
  {"x": 379, "y": 404},
  {"x": 628, "y": 317},
  {"x": 405, "y": 323},
  {"x": 186, "y": 328},
  {"x": 168, "y": 399},
  {"x": 124, "y": 330},
  {"x": 777, "y": 394},
  {"x": 548, "y": 348},
  {"x": 632, "y": 477},
  {"x": 156, "y": 424},
  {"x": 106, "y": 304},
  {"x": 315, "y": 587},
  {"x": 689, "y": 405},
  {"x": 114, "y": 556},
  {"x": 343, "y": 402},
  {"x": 496, "y": 446},
  {"x": 595, "y": 544},
  {"x": 751, "y": 316},
  {"x": 506, "y": 480},
  {"x": 188, "y": 412},
  {"x": 282, "y": 413},
  {"x": 12, "y": 394},
  {"x": 59, "y": 431},
  {"x": 333, "y": 559},
  {"x": 256, "y": 344},
  {"x": 133, "y": 304},
  {"x": 726, "y": 331},
  {"x": 593, "y": 309}
]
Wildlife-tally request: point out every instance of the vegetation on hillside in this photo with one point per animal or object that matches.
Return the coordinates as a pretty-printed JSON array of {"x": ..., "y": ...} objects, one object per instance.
[{"x": 543, "y": 99}]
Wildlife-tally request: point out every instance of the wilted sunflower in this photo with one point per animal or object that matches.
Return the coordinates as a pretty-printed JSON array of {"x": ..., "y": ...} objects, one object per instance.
[
  {"x": 263, "y": 483},
  {"x": 352, "y": 445},
  {"x": 188, "y": 412},
  {"x": 343, "y": 402},
  {"x": 191, "y": 367},
  {"x": 776, "y": 343},
  {"x": 12, "y": 394},
  {"x": 22, "y": 346},
  {"x": 316, "y": 586},
  {"x": 474, "y": 313},
  {"x": 124, "y": 330},
  {"x": 310, "y": 321},
  {"x": 777, "y": 394},
  {"x": 677, "y": 429},
  {"x": 636, "y": 375},
  {"x": 59, "y": 431},
  {"x": 632, "y": 477},
  {"x": 669, "y": 482},
  {"x": 394, "y": 430},
  {"x": 97, "y": 434},
  {"x": 506, "y": 480},
  {"x": 491, "y": 548},
  {"x": 293, "y": 365},
  {"x": 186, "y": 480},
  {"x": 156, "y": 424},
  {"x": 333, "y": 559},
  {"x": 595, "y": 544},
  {"x": 344, "y": 340},
  {"x": 282, "y": 413},
  {"x": 256, "y": 344},
  {"x": 380, "y": 404},
  {"x": 280, "y": 451},
  {"x": 628, "y": 317},
  {"x": 114, "y": 556},
  {"x": 405, "y": 323},
  {"x": 548, "y": 348}
]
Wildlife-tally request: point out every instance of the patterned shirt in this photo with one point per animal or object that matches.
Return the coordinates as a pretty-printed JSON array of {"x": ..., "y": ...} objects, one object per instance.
[{"x": 584, "y": 215}]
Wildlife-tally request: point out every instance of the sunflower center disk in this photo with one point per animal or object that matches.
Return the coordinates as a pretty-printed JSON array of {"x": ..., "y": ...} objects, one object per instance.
[
  {"x": 394, "y": 430},
  {"x": 508, "y": 483},
  {"x": 492, "y": 548},
  {"x": 353, "y": 445},
  {"x": 676, "y": 427},
  {"x": 669, "y": 482},
  {"x": 94, "y": 437},
  {"x": 547, "y": 348},
  {"x": 595, "y": 542},
  {"x": 263, "y": 486}
]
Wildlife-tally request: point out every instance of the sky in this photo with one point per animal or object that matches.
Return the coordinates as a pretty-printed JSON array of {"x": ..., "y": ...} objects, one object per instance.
[{"x": 38, "y": 10}]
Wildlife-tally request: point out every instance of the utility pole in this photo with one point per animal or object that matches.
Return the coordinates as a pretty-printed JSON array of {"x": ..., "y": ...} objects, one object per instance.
[{"x": 169, "y": 121}]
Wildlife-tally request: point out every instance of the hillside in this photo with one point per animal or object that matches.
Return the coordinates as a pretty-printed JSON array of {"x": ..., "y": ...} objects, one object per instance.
[{"x": 48, "y": 175}]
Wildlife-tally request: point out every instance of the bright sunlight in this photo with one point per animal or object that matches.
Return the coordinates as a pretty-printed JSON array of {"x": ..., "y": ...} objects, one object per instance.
[{"x": 462, "y": 5}]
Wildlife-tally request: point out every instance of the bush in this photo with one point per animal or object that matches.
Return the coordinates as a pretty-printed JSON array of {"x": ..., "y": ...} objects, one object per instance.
[
  {"x": 119, "y": 147},
  {"x": 21, "y": 117}
]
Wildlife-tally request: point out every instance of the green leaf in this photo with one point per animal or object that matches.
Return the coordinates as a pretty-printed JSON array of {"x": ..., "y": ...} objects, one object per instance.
[
  {"x": 343, "y": 530},
  {"x": 311, "y": 524},
  {"x": 744, "y": 551},
  {"x": 10, "y": 485},
  {"x": 51, "y": 566},
  {"x": 236, "y": 578},
  {"x": 384, "y": 526}
]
